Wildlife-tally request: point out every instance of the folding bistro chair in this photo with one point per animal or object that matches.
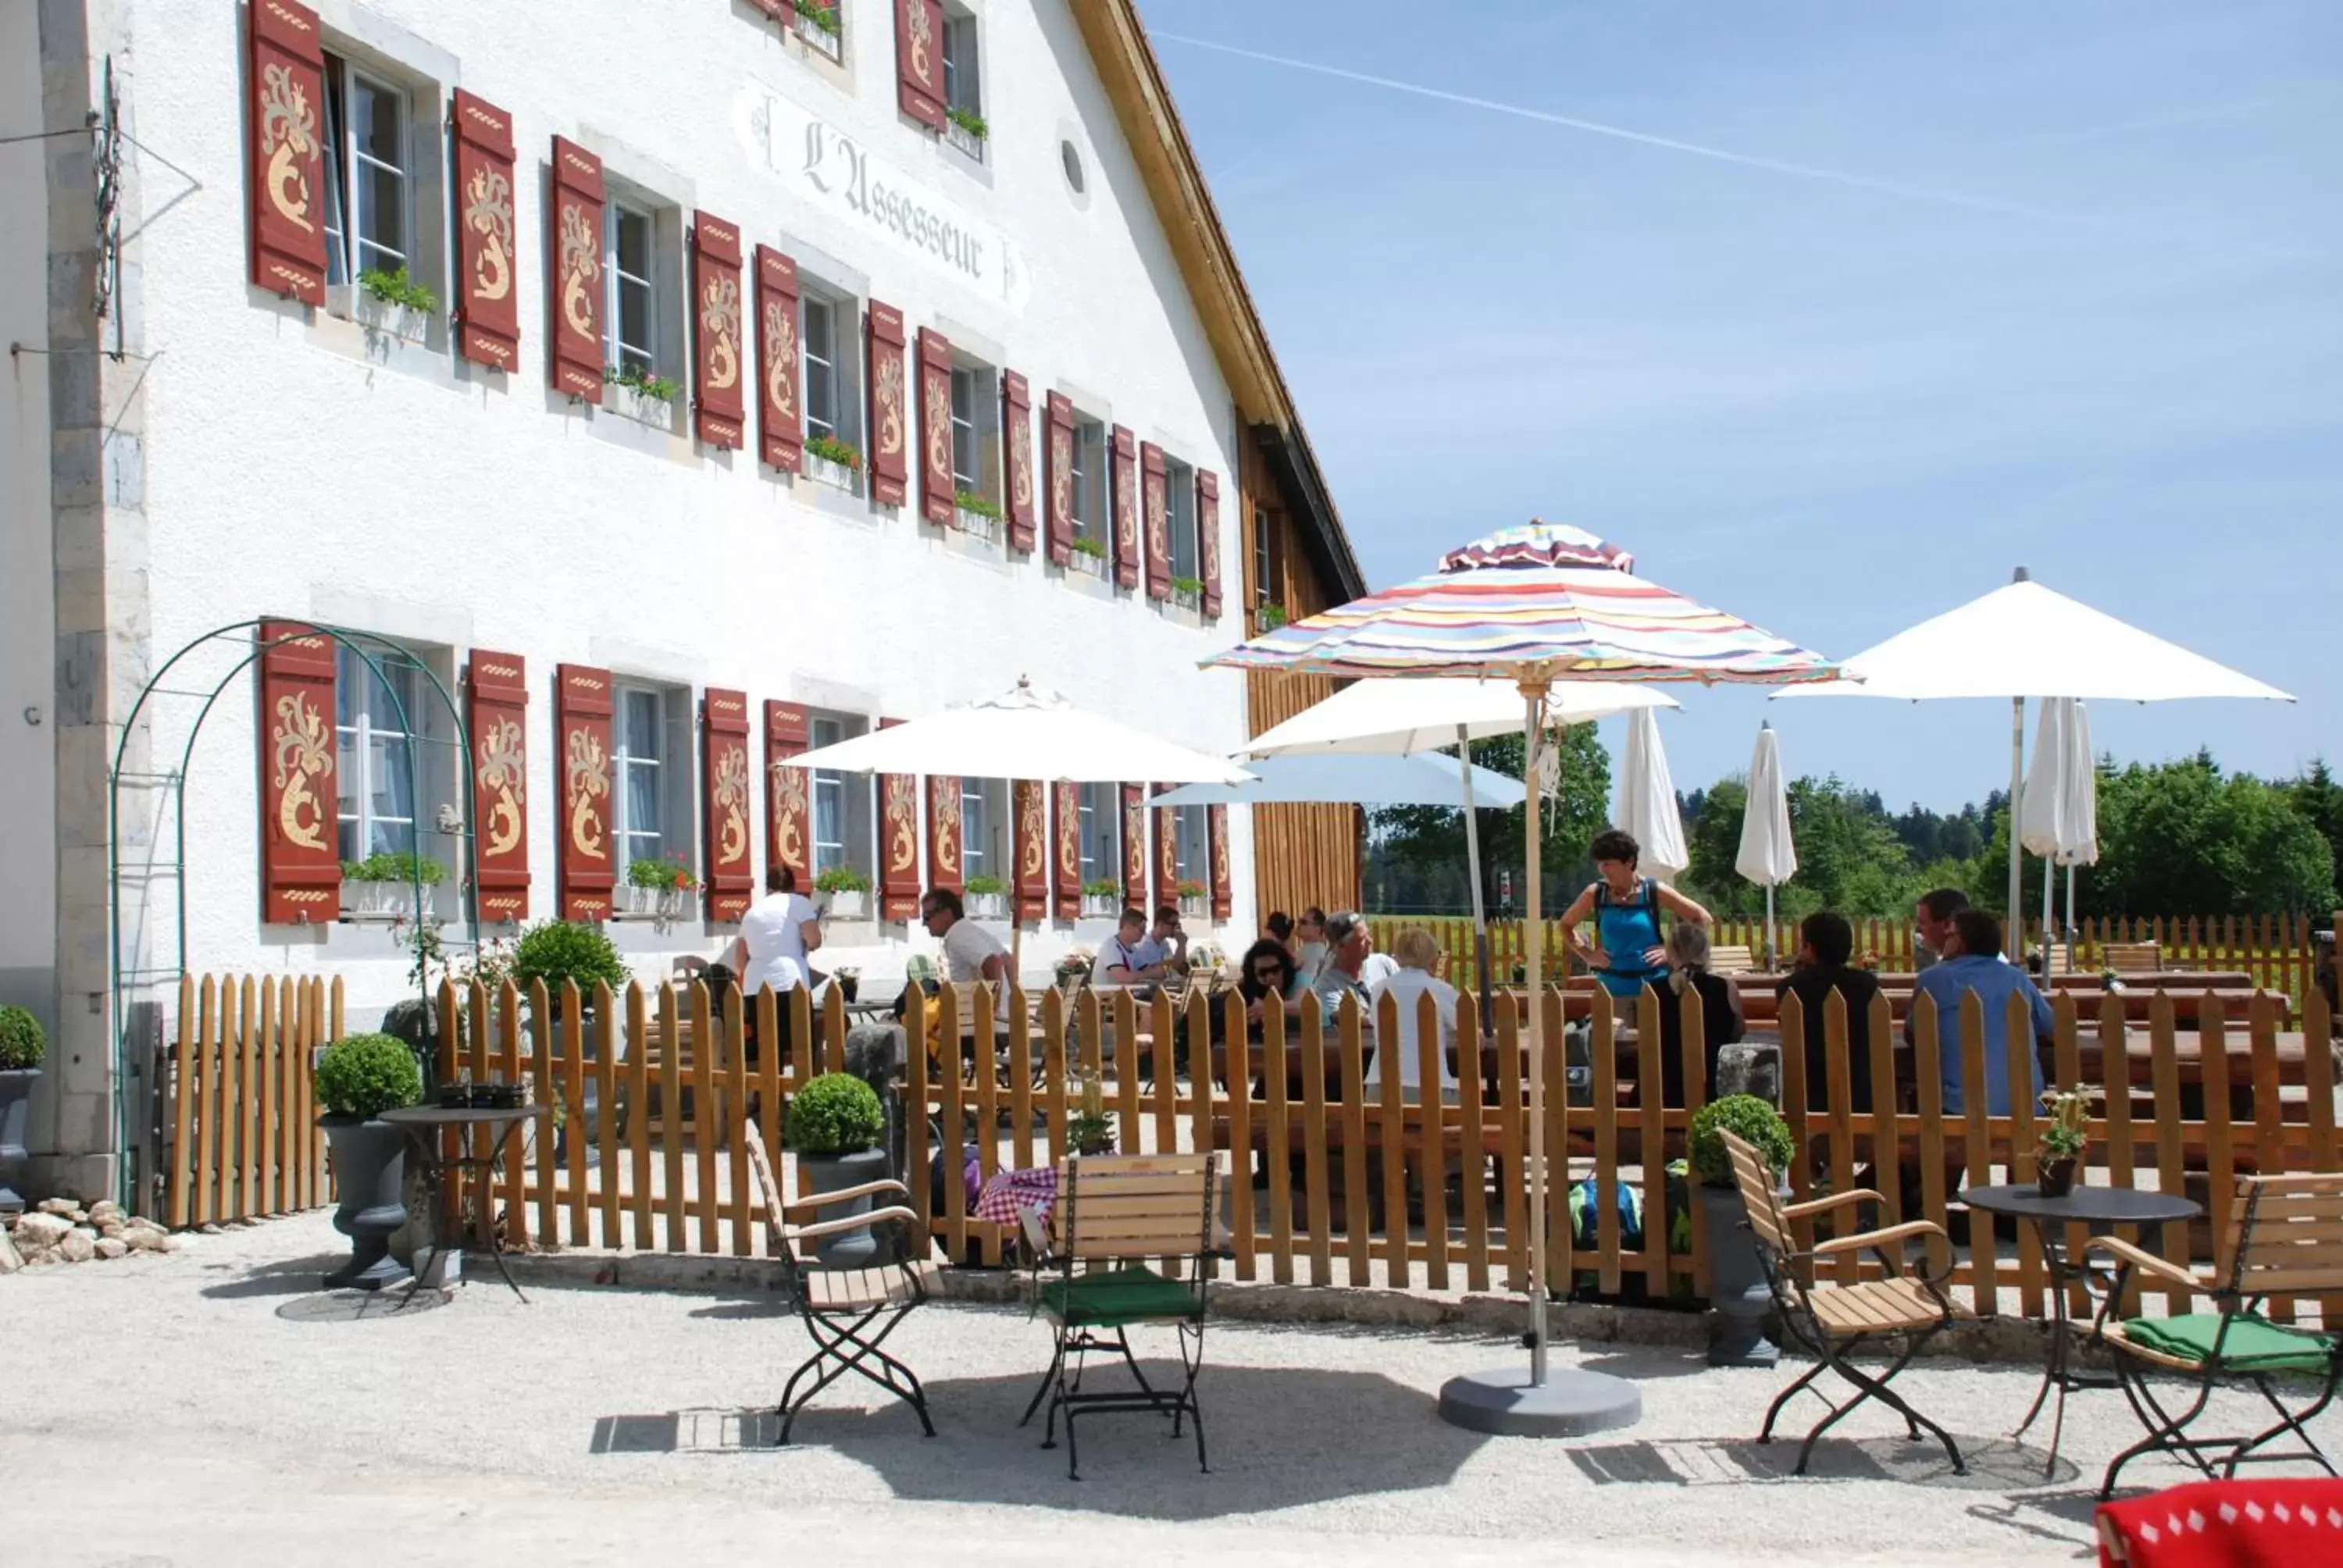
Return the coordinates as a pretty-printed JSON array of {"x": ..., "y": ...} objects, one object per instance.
[
  {"x": 1115, "y": 1210},
  {"x": 840, "y": 1306},
  {"x": 2286, "y": 1235},
  {"x": 1833, "y": 1321}
]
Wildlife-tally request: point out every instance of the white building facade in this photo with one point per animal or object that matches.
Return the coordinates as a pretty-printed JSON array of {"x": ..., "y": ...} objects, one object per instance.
[{"x": 478, "y": 445}]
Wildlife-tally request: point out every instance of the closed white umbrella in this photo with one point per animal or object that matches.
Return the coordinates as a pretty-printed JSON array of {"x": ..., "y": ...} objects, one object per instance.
[
  {"x": 2059, "y": 816},
  {"x": 1767, "y": 856},
  {"x": 2026, "y": 640},
  {"x": 1024, "y": 733},
  {"x": 1648, "y": 799}
]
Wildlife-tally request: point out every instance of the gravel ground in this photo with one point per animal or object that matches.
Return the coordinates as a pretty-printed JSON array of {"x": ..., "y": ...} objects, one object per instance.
[{"x": 245, "y": 1419}]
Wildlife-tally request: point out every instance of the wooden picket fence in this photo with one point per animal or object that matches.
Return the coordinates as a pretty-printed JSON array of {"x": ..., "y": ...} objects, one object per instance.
[
  {"x": 2277, "y": 950},
  {"x": 1356, "y": 1186}
]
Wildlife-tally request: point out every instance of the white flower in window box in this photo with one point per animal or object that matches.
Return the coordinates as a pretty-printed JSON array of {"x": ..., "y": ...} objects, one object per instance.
[
  {"x": 833, "y": 462},
  {"x": 384, "y": 884},
  {"x": 394, "y": 305},
  {"x": 988, "y": 899},
  {"x": 846, "y": 893}
]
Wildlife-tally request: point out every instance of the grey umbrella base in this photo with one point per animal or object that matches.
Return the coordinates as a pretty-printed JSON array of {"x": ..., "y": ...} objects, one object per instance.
[{"x": 1569, "y": 1404}]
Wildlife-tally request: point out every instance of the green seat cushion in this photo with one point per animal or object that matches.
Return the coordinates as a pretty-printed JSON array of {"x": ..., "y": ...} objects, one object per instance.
[
  {"x": 2253, "y": 1345},
  {"x": 1109, "y": 1298}
]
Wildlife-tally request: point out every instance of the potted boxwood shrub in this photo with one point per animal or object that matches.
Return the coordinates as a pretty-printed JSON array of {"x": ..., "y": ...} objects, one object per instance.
[
  {"x": 558, "y": 951},
  {"x": 24, "y": 1044},
  {"x": 1737, "y": 1279},
  {"x": 988, "y": 899},
  {"x": 359, "y": 1077},
  {"x": 836, "y": 1126},
  {"x": 847, "y": 889}
]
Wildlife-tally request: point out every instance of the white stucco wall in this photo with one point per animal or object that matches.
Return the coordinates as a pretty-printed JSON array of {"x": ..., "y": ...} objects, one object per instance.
[{"x": 294, "y": 470}]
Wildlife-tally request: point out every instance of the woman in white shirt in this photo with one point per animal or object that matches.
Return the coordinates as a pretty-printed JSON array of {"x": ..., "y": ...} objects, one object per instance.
[
  {"x": 1417, "y": 951},
  {"x": 776, "y": 936}
]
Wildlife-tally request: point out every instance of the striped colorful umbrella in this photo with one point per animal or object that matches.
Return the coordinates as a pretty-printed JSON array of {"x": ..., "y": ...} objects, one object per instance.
[
  {"x": 1545, "y": 600},
  {"x": 1534, "y": 605}
]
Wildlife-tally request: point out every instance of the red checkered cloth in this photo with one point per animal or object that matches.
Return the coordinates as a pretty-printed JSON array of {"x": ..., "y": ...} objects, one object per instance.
[
  {"x": 2225, "y": 1524},
  {"x": 1013, "y": 1191}
]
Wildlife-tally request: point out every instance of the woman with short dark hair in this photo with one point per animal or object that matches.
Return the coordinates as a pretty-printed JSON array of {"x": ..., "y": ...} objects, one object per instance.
[{"x": 1629, "y": 950}]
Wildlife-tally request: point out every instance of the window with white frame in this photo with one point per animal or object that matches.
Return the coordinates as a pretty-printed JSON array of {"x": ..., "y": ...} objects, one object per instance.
[
  {"x": 843, "y": 810},
  {"x": 369, "y": 183},
  {"x": 963, "y": 83},
  {"x": 983, "y": 817},
  {"x": 826, "y": 322},
  {"x": 631, "y": 262},
  {"x": 1179, "y": 480},
  {"x": 1089, "y": 486},
  {"x": 380, "y": 724},
  {"x": 976, "y": 430},
  {"x": 640, "y": 741},
  {"x": 1191, "y": 844},
  {"x": 1100, "y": 827}
]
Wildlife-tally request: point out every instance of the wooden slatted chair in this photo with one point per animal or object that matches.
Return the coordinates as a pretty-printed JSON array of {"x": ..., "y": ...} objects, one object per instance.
[
  {"x": 842, "y": 1306},
  {"x": 1738, "y": 959},
  {"x": 1114, "y": 1212},
  {"x": 1832, "y": 1320},
  {"x": 2131, "y": 958},
  {"x": 2285, "y": 1236}
]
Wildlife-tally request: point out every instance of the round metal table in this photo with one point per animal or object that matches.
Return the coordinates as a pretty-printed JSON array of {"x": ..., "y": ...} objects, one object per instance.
[
  {"x": 2097, "y": 1208},
  {"x": 471, "y": 1161}
]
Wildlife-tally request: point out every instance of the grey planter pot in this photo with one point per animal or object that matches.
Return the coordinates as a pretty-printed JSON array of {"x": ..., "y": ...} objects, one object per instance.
[
  {"x": 369, "y": 1165},
  {"x": 15, "y": 1097},
  {"x": 856, "y": 1249},
  {"x": 1737, "y": 1284}
]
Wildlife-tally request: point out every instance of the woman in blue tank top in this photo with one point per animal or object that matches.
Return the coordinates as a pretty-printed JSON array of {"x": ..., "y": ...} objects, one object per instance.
[{"x": 1629, "y": 950}]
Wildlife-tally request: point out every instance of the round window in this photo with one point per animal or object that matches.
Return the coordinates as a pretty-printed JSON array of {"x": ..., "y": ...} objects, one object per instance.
[{"x": 1073, "y": 162}]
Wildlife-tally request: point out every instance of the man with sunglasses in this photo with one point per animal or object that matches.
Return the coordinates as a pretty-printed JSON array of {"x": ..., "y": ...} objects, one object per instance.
[{"x": 971, "y": 953}]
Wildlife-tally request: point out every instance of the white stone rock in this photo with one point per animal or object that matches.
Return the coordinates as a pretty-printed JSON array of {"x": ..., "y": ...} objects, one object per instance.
[
  {"x": 146, "y": 1241},
  {"x": 58, "y": 1206},
  {"x": 10, "y": 1259},
  {"x": 39, "y": 1232},
  {"x": 109, "y": 1247},
  {"x": 77, "y": 1247},
  {"x": 174, "y": 1243},
  {"x": 104, "y": 1209}
]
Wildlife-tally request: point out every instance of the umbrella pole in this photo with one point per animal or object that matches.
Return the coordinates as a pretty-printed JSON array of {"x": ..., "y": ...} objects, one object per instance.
[
  {"x": 2070, "y": 917},
  {"x": 2014, "y": 940},
  {"x": 2049, "y": 891},
  {"x": 1769, "y": 928},
  {"x": 1534, "y": 938},
  {"x": 1472, "y": 854}
]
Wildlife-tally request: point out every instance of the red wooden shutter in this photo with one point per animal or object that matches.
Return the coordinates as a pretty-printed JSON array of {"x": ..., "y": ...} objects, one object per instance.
[
  {"x": 789, "y": 793},
  {"x": 487, "y": 304},
  {"x": 497, "y": 715},
  {"x": 1029, "y": 851},
  {"x": 1224, "y": 900},
  {"x": 936, "y": 488},
  {"x": 718, "y": 347},
  {"x": 300, "y": 850},
  {"x": 1061, "y": 476},
  {"x": 730, "y": 786},
  {"x": 899, "y": 841},
  {"x": 574, "y": 283},
  {"x": 1016, "y": 450},
  {"x": 1134, "y": 845},
  {"x": 1208, "y": 538},
  {"x": 1167, "y": 851},
  {"x": 285, "y": 116},
  {"x": 1068, "y": 827},
  {"x": 919, "y": 60},
  {"x": 1126, "y": 508},
  {"x": 784, "y": 11},
  {"x": 780, "y": 420},
  {"x": 581, "y": 718},
  {"x": 943, "y": 831},
  {"x": 889, "y": 418},
  {"x": 1154, "y": 489}
]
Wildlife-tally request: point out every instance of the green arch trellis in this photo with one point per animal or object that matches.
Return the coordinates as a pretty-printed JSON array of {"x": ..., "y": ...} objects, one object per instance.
[{"x": 379, "y": 654}]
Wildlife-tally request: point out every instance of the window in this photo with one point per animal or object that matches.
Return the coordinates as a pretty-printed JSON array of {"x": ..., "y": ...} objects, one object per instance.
[
  {"x": 639, "y": 737},
  {"x": 370, "y": 195},
  {"x": 377, "y": 726},
  {"x": 1181, "y": 480},
  {"x": 843, "y": 810},
  {"x": 825, "y": 325},
  {"x": 1100, "y": 811},
  {"x": 976, "y": 430},
  {"x": 632, "y": 246},
  {"x": 963, "y": 84},
  {"x": 1263, "y": 580},
  {"x": 1091, "y": 520},
  {"x": 1191, "y": 844},
  {"x": 983, "y": 813}
]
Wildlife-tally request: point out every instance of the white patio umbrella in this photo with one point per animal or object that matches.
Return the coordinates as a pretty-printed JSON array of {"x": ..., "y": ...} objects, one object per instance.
[
  {"x": 1542, "y": 606},
  {"x": 2058, "y": 817},
  {"x": 1419, "y": 779},
  {"x": 2026, "y": 640},
  {"x": 1648, "y": 799},
  {"x": 1767, "y": 855},
  {"x": 1024, "y": 733}
]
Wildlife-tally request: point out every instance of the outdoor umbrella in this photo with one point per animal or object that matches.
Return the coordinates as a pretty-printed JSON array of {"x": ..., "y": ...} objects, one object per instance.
[
  {"x": 2058, "y": 817},
  {"x": 2026, "y": 640},
  {"x": 1767, "y": 855},
  {"x": 1024, "y": 733},
  {"x": 1535, "y": 605},
  {"x": 1421, "y": 779},
  {"x": 1648, "y": 799},
  {"x": 1411, "y": 716}
]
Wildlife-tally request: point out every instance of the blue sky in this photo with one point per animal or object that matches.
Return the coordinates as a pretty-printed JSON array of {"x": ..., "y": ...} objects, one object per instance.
[{"x": 2053, "y": 284}]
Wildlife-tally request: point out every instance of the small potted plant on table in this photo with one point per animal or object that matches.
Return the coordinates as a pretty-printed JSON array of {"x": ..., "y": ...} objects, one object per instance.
[
  {"x": 2063, "y": 1136},
  {"x": 846, "y": 891},
  {"x": 836, "y": 1127},
  {"x": 1090, "y": 1130},
  {"x": 988, "y": 899},
  {"x": 359, "y": 1077},
  {"x": 1737, "y": 1277},
  {"x": 22, "y": 1045}
]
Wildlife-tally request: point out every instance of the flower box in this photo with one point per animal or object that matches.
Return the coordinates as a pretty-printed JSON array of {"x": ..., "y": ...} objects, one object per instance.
[
  {"x": 966, "y": 140},
  {"x": 389, "y": 901},
  {"x": 1198, "y": 905},
  {"x": 402, "y": 322},
  {"x": 1101, "y": 904},
  {"x": 819, "y": 39},
  {"x": 848, "y": 904},
  {"x": 1086, "y": 564},
  {"x": 651, "y": 903},
  {"x": 837, "y": 476},
  {"x": 977, "y": 525},
  {"x": 1188, "y": 600},
  {"x": 989, "y": 906},
  {"x": 659, "y": 413}
]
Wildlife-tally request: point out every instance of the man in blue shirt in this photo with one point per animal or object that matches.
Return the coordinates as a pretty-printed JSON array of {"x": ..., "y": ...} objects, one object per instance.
[{"x": 1972, "y": 961}]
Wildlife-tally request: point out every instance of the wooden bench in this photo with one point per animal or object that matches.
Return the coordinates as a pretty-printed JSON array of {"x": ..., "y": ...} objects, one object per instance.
[{"x": 2131, "y": 958}]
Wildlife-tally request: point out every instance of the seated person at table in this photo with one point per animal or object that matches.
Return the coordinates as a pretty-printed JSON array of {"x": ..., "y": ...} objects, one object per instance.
[
  {"x": 1825, "y": 943},
  {"x": 1380, "y": 967},
  {"x": 1130, "y": 957},
  {"x": 1169, "y": 938},
  {"x": 1972, "y": 961},
  {"x": 1411, "y": 980},
  {"x": 1264, "y": 978},
  {"x": 971, "y": 953},
  {"x": 1279, "y": 928},
  {"x": 1310, "y": 946},
  {"x": 1932, "y": 924},
  {"x": 1721, "y": 1022},
  {"x": 1347, "y": 947},
  {"x": 1628, "y": 949}
]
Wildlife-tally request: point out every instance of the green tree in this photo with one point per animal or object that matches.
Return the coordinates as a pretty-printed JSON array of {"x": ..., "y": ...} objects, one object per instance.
[
  {"x": 2319, "y": 799},
  {"x": 1418, "y": 857}
]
